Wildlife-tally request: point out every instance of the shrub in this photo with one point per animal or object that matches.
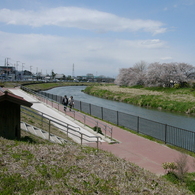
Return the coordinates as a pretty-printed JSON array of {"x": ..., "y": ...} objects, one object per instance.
[
  {"x": 193, "y": 85},
  {"x": 176, "y": 86},
  {"x": 182, "y": 167},
  {"x": 98, "y": 130},
  {"x": 169, "y": 166}
]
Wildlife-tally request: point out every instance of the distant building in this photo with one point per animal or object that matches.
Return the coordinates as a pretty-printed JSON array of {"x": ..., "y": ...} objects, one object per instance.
[
  {"x": 6, "y": 72},
  {"x": 59, "y": 76}
]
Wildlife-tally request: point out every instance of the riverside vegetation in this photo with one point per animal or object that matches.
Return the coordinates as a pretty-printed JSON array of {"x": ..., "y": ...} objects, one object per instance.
[
  {"x": 35, "y": 166},
  {"x": 170, "y": 99},
  {"x": 37, "y": 86}
]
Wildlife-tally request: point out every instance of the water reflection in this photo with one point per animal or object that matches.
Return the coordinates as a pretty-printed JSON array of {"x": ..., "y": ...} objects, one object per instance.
[{"x": 177, "y": 120}]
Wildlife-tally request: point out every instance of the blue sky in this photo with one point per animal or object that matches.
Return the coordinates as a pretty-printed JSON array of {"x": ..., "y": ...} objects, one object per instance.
[{"x": 98, "y": 37}]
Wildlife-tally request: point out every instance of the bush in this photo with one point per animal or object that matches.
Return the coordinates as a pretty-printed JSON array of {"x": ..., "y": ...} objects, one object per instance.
[
  {"x": 193, "y": 85},
  {"x": 98, "y": 130},
  {"x": 177, "y": 86},
  {"x": 169, "y": 167}
]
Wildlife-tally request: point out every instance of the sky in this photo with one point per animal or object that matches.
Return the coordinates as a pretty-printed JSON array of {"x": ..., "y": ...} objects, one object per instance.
[{"x": 78, "y": 37}]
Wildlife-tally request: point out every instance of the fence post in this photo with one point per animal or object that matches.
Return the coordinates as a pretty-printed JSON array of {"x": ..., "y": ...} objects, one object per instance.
[
  {"x": 102, "y": 113},
  {"x": 90, "y": 109},
  {"x": 81, "y": 139},
  {"x": 42, "y": 120},
  {"x": 105, "y": 130},
  {"x": 49, "y": 128},
  {"x": 194, "y": 142},
  {"x": 165, "y": 133},
  {"x": 138, "y": 124},
  {"x": 117, "y": 119},
  {"x": 74, "y": 115},
  {"x": 97, "y": 142},
  {"x": 84, "y": 119},
  {"x": 96, "y": 129}
]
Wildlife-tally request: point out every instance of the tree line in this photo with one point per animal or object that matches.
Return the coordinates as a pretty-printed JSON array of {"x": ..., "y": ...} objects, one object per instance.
[{"x": 157, "y": 74}]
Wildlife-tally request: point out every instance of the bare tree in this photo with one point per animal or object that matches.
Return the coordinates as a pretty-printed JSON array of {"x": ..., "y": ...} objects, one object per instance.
[{"x": 182, "y": 167}]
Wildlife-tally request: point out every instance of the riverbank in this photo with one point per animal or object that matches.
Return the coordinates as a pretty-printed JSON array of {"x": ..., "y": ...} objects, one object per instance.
[
  {"x": 47, "y": 86},
  {"x": 169, "y": 99},
  {"x": 41, "y": 86}
]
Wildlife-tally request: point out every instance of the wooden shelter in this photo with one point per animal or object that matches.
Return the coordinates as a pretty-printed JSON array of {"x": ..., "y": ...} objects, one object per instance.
[{"x": 10, "y": 114}]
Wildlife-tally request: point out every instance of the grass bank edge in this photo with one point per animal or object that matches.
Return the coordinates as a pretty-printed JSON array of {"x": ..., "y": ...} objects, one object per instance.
[{"x": 149, "y": 101}]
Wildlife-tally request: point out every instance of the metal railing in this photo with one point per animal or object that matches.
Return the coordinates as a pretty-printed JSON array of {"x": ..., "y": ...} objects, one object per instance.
[
  {"x": 55, "y": 102},
  {"x": 168, "y": 134},
  {"x": 85, "y": 119},
  {"x": 60, "y": 125}
]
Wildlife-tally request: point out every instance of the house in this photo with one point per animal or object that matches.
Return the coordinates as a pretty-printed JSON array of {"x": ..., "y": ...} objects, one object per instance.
[
  {"x": 10, "y": 114},
  {"x": 59, "y": 76}
]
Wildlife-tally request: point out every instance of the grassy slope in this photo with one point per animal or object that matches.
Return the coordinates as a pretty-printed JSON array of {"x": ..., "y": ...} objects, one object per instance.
[
  {"x": 40, "y": 86},
  {"x": 34, "y": 166},
  {"x": 176, "y": 100},
  {"x": 46, "y": 86}
]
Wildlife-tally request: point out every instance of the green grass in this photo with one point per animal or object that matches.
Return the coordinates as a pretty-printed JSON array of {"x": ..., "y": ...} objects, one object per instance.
[
  {"x": 47, "y": 168},
  {"x": 171, "y": 99},
  {"x": 36, "y": 166},
  {"x": 188, "y": 181}
]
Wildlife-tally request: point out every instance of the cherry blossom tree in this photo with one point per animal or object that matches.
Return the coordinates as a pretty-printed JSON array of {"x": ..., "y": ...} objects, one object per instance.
[
  {"x": 156, "y": 74},
  {"x": 135, "y": 75}
]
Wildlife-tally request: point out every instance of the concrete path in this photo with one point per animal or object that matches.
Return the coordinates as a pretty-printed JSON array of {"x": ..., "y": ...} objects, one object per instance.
[
  {"x": 141, "y": 151},
  {"x": 39, "y": 106},
  {"x": 136, "y": 149}
]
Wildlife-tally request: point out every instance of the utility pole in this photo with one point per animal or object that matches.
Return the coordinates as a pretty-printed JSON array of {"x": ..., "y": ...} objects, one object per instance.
[
  {"x": 31, "y": 71},
  {"x": 16, "y": 72},
  {"x": 7, "y": 69},
  {"x": 17, "y": 65},
  {"x": 30, "y": 68},
  {"x": 22, "y": 70}
]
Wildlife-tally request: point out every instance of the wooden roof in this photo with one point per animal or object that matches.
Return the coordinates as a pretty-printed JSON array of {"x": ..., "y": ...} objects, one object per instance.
[{"x": 6, "y": 96}]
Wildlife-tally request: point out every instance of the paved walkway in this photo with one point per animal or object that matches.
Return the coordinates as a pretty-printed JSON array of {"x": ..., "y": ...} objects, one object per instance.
[
  {"x": 138, "y": 150},
  {"x": 141, "y": 151},
  {"x": 48, "y": 110}
]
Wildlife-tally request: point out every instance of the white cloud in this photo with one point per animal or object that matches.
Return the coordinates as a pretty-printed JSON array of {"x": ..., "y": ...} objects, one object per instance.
[
  {"x": 89, "y": 55},
  {"x": 79, "y": 18},
  {"x": 166, "y": 58},
  {"x": 153, "y": 44}
]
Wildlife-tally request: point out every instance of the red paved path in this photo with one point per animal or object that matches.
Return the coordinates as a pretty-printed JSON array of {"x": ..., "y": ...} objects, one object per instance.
[{"x": 136, "y": 149}]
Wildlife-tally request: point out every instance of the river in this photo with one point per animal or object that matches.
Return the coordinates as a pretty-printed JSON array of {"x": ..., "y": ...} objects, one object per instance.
[{"x": 177, "y": 120}]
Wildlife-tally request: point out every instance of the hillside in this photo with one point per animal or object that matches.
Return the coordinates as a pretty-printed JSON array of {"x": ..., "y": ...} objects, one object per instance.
[{"x": 35, "y": 166}]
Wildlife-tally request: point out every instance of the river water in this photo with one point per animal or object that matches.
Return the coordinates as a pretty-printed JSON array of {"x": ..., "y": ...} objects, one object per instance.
[{"x": 177, "y": 120}]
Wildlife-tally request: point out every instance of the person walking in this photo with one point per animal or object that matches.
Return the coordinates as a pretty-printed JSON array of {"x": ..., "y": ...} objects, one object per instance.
[
  {"x": 71, "y": 102},
  {"x": 65, "y": 102}
]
